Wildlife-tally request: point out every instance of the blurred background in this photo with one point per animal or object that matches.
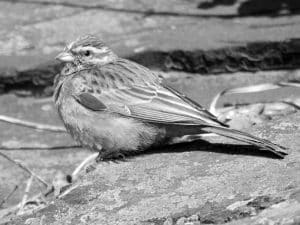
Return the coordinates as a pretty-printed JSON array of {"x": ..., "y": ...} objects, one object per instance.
[
  {"x": 198, "y": 37},
  {"x": 201, "y": 47}
]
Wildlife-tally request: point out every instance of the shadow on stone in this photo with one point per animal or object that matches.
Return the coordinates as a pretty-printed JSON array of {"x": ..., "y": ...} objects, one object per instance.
[
  {"x": 144, "y": 12},
  {"x": 272, "y": 8},
  {"x": 205, "y": 146}
]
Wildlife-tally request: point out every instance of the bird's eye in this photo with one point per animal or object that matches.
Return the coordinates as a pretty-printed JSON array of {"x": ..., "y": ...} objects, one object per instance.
[{"x": 87, "y": 53}]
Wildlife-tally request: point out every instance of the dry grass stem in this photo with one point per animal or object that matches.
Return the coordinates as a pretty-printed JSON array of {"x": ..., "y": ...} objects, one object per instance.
[
  {"x": 39, "y": 148},
  {"x": 9, "y": 195},
  {"x": 29, "y": 124},
  {"x": 25, "y": 196},
  {"x": 22, "y": 166},
  {"x": 249, "y": 89}
]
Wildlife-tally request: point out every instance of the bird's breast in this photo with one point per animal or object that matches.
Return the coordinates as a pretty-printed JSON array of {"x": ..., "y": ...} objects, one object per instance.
[{"x": 106, "y": 131}]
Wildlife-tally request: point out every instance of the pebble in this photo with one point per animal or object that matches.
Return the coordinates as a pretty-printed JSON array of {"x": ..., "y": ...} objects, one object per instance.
[
  {"x": 168, "y": 221},
  {"x": 46, "y": 107},
  {"x": 278, "y": 108},
  {"x": 181, "y": 221}
]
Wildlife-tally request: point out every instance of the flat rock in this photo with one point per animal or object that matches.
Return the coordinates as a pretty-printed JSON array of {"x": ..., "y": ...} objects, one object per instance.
[
  {"x": 133, "y": 26},
  {"x": 181, "y": 181},
  {"x": 190, "y": 36},
  {"x": 150, "y": 188},
  {"x": 201, "y": 182}
]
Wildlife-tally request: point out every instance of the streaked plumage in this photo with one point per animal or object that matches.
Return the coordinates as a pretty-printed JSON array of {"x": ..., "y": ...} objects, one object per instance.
[{"x": 113, "y": 105}]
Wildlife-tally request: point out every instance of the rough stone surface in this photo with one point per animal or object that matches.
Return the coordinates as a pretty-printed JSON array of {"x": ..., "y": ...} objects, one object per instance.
[
  {"x": 34, "y": 31},
  {"x": 149, "y": 188},
  {"x": 176, "y": 182},
  {"x": 131, "y": 26},
  {"x": 196, "y": 183}
]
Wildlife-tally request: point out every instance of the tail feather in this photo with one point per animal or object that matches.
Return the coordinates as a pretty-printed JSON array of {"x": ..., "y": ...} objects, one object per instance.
[{"x": 247, "y": 138}]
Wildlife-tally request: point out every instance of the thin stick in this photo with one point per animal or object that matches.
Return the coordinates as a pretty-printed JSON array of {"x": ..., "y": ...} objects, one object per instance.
[
  {"x": 67, "y": 191},
  {"x": 9, "y": 195},
  {"x": 29, "y": 124},
  {"x": 14, "y": 209},
  {"x": 241, "y": 90},
  {"x": 42, "y": 148},
  {"x": 85, "y": 162},
  {"x": 212, "y": 108},
  {"x": 19, "y": 164},
  {"x": 250, "y": 89},
  {"x": 25, "y": 197}
]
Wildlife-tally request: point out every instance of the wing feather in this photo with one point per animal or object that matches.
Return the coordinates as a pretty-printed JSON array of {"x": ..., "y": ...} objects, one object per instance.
[{"x": 139, "y": 93}]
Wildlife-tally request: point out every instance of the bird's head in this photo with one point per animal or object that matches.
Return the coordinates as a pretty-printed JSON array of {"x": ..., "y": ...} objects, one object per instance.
[{"x": 85, "y": 52}]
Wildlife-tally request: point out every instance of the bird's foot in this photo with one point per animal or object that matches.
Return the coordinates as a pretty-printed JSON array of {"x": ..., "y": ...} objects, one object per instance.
[{"x": 112, "y": 156}]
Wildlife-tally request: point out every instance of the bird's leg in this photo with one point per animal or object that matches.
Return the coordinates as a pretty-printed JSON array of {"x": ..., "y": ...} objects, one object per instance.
[{"x": 115, "y": 155}]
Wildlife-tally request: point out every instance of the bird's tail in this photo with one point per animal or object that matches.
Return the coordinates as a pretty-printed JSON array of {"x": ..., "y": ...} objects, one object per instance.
[{"x": 247, "y": 138}]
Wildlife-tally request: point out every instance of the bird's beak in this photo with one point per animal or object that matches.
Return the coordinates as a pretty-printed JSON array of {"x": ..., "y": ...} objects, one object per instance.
[{"x": 65, "y": 57}]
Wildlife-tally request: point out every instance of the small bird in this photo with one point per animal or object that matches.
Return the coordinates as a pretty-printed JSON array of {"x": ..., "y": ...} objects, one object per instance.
[{"x": 114, "y": 106}]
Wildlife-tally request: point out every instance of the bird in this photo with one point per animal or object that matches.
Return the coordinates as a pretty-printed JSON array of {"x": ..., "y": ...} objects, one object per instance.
[{"x": 114, "y": 106}]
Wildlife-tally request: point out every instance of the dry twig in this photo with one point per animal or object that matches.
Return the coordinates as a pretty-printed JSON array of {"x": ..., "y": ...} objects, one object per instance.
[
  {"x": 25, "y": 197},
  {"x": 4, "y": 148},
  {"x": 25, "y": 168},
  {"x": 29, "y": 124},
  {"x": 9, "y": 195},
  {"x": 249, "y": 89}
]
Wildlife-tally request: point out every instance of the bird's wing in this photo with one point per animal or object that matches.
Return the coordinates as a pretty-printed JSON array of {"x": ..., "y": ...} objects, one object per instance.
[
  {"x": 151, "y": 103},
  {"x": 196, "y": 105},
  {"x": 135, "y": 91}
]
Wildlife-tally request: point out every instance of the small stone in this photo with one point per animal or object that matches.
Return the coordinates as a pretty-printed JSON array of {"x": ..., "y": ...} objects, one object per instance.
[
  {"x": 32, "y": 221},
  {"x": 193, "y": 223},
  {"x": 90, "y": 168},
  {"x": 240, "y": 122},
  {"x": 168, "y": 221},
  {"x": 181, "y": 221},
  {"x": 278, "y": 108},
  {"x": 254, "y": 109},
  {"x": 46, "y": 107},
  {"x": 238, "y": 204},
  {"x": 85, "y": 218},
  {"x": 194, "y": 217},
  {"x": 139, "y": 49}
]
